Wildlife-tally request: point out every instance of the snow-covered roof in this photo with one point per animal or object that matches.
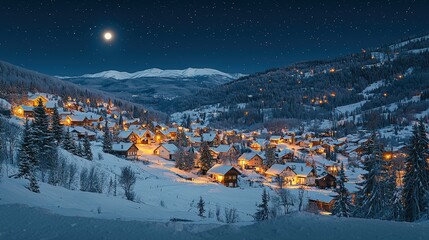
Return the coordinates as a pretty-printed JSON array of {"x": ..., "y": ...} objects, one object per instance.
[
  {"x": 27, "y": 108},
  {"x": 124, "y": 134},
  {"x": 5, "y": 104},
  {"x": 51, "y": 104},
  {"x": 301, "y": 169},
  {"x": 248, "y": 156},
  {"x": 223, "y": 148},
  {"x": 275, "y": 138},
  {"x": 220, "y": 169},
  {"x": 81, "y": 130},
  {"x": 209, "y": 137},
  {"x": 170, "y": 147},
  {"x": 121, "y": 147},
  {"x": 285, "y": 152},
  {"x": 276, "y": 169},
  {"x": 134, "y": 127}
]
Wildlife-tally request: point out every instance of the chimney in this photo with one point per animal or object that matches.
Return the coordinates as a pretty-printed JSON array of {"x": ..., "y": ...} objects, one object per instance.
[{"x": 122, "y": 146}]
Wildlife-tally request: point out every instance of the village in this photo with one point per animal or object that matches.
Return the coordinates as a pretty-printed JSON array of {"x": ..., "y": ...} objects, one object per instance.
[{"x": 293, "y": 159}]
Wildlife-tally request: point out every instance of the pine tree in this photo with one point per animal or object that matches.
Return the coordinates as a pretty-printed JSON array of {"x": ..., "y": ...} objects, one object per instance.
[
  {"x": 342, "y": 207},
  {"x": 43, "y": 137},
  {"x": 79, "y": 150},
  {"x": 107, "y": 139},
  {"x": 33, "y": 186},
  {"x": 415, "y": 189},
  {"x": 68, "y": 142},
  {"x": 263, "y": 211},
  {"x": 57, "y": 129},
  {"x": 200, "y": 207},
  {"x": 26, "y": 152},
  {"x": 87, "y": 148},
  {"x": 206, "y": 158},
  {"x": 372, "y": 199},
  {"x": 270, "y": 156}
]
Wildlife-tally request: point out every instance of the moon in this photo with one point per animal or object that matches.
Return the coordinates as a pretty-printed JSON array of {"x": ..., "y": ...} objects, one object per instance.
[{"x": 108, "y": 36}]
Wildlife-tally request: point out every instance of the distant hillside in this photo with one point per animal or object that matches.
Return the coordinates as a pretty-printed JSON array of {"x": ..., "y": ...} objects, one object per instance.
[
  {"x": 149, "y": 86},
  {"x": 16, "y": 81},
  {"x": 311, "y": 90}
]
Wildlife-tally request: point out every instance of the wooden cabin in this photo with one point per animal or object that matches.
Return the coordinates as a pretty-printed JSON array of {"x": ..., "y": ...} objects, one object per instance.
[
  {"x": 225, "y": 174},
  {"x": 251, "y": 160},
  {"x": 327, "y": 181},
  {"x": 80, "y": 133},
  {"x": 128, "y": 150},
  {"x": 166, "y": 151},
  {"x": 324, "y": 204}
]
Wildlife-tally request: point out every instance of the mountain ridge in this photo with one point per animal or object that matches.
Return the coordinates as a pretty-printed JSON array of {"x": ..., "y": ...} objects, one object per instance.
[{"x": 157, "y": 72}]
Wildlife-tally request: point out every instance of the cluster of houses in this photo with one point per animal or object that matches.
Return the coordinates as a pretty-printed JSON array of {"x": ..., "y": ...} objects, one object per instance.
[{"x": 301, "y": 158}]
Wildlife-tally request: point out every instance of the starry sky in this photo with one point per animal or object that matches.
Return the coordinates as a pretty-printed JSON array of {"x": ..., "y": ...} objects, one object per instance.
[{"x": 66, "y": 37}]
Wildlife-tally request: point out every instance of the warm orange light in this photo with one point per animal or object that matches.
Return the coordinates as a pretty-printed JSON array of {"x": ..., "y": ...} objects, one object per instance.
[
  {"x": 332, "y": 70},
  {"x": 385, "y": 94}
]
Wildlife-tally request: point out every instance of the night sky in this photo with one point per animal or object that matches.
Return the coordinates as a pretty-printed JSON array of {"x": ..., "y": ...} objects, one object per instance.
[{"x": 66, "y": 37}]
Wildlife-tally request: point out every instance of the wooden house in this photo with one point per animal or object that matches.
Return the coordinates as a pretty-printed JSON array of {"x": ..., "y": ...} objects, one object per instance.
[
  {"x": 147, "y": 136},
  {"x": 24, "y": 111},
  {"x": 293, "y": 173},
  {"x": 33, "y": 99},
  {"x": 321, "y": 203},
  {"x": 224, "y": 152},
  {"x": 80, "y": 133},
  {"x": 166, "y": 151},
  {"x": 327, "y": 181},
  {"x": 225, "y": 174},
  {"x": 126, "y": 149},
  {"x": 251, "y": 160}
]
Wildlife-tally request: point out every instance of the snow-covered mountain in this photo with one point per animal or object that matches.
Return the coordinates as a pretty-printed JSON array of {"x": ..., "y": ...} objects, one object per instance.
[
  {"x": 160, "y": 73},
  {"x": 148, "y": 86}
]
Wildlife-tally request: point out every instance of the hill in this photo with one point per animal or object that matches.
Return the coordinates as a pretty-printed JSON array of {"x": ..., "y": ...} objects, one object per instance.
[
  {"x": 391, "y": 74},
  {"x": 15, "y": 82}
]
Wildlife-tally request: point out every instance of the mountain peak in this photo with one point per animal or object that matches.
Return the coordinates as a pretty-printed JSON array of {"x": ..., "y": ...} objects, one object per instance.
[{"x": 156, "y": 72}]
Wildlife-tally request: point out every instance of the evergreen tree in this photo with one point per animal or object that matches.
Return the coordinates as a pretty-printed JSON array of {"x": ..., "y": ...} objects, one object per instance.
[
  {"x": 181, "y": 139},
  {"x": 372, "y": 199},
  {"x": 263, "y": 211},
  {"x": 87, "y": 148},
  {"x": 206, "y": 158},
  {"x": 43, "y": 137},
  {"x": 26, "y": 153},
  {"x": 200, "y": 207},
  {"x": 57, "y": 129},
  {"x": 342, "y": 207},
  {"x": 107, "y": 139},
  {"x": 33, "y": 186},
  {"x": 270, "y": 156},
  {"x": 79, "y": 150},
  {"x": 68, "y": 142},
  {"x": 121, "y": 122},
  {"x": 415, "y": 189}
]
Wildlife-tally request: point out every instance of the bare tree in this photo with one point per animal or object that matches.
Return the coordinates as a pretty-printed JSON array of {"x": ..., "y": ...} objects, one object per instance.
[
  {"x": 300, "y": 197},
  {"x": 231, "y": 215},
  {"x": 286, "y": 199},
  {"x": 127, "y": 181}
]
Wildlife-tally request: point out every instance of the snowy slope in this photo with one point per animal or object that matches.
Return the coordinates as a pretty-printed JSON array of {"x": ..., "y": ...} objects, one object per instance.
[
  {"x": 20, "y": 222},
  {"x": 156, "y": 72}
]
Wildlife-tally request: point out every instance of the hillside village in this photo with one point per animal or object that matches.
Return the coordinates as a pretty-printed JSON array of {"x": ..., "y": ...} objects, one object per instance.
[{"x": 292, "y": 159}]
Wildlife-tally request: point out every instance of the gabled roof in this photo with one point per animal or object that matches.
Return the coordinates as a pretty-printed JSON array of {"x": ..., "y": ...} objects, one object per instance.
[
  {"x": 300, "y": 169},
  {"x": 275, "y": 138},
  {"x": 248, "y": 156},
  {"x": 122, "y": 146},
  {"x": 285, "y": 152},
  {"x": 77, "y": 118},
  {"x": 221, "y": 169},
  {"x": 223, "y": 148},
  {"x": 124, "y": 134},
  {"x": 171, "y": 148},
  {"x": 81, "y": 130},
  {"x": 276, "y": 169},
  {"x": 27, "y": 108},
  {"x": 209, "y": 137}
]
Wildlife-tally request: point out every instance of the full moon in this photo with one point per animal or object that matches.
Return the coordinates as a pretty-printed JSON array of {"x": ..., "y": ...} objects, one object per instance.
[{"x": 108, "y": 36}]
